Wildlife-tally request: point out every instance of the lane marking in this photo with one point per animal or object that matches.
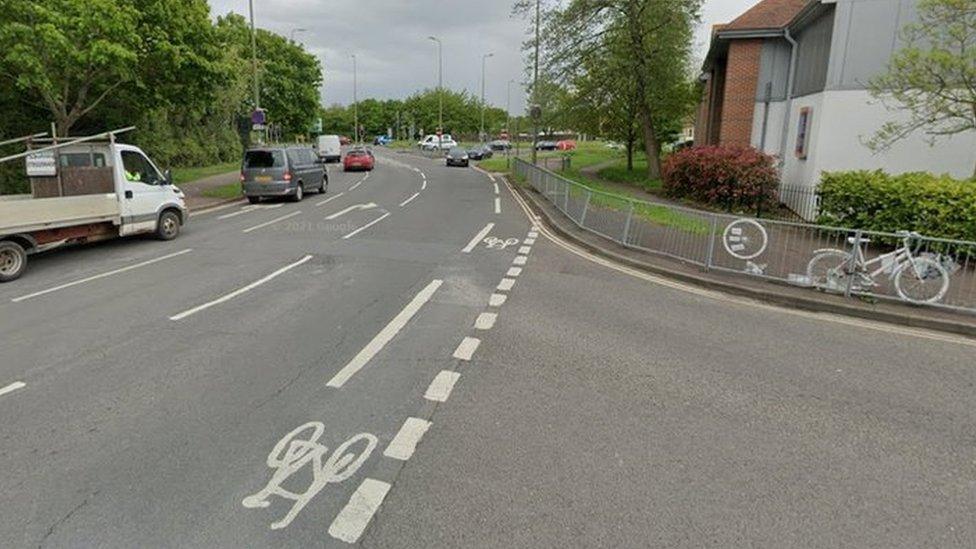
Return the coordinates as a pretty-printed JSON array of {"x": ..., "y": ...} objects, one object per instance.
[
  {"x": 533, "y": 234},
  {"x": 351, "y": 522},
  {"x": 409, "y": 200},
  {"x": 440, "y": 389},
  {"x": 478, "y": 238},
  {"x": 366, "y": 226},
  {"x": 241, "y": 291},
  {"x": 250, "y": 208},
  {"x": 496, "y": 187},
  {"x": 423, "y": 186},
  {"x": 100, "y": 276},
  {"x": 528, "y": 241},
  {"x": 360, "y": 182},
  {"x": 327, "y": 200},
  {"x": 16, "y": 385},
  {"x": 525, "y": 249},
  {"x": 486, "y": 321},
  {"x": 506, "y": 284},
  {"x": 272, "y": 222},
  {"x": 385, "y": 335},
  {"x": 719, "y": 296},
  {"x": 404, "y": 444},
  {"x": 520, "y": 260},
  {"x": 514, "y": 271},
  {"x": 465, "y": 350},
  {"x": 354, "y": 207},
  {"x": 497, "y": 300},
  {"x": 498, "y": 205}
]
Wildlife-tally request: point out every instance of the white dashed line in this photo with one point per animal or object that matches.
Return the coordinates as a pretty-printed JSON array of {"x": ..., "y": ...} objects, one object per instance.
[
  {"x": 478, "y": 238},
  {"x": 514, "y": 271},
  {"x": 327, "y": 200},
  {"x": 351, "y": 522},
  {"x": 486, "y": 321},
  {"x": 525, "y": 249},
  {"x": 528, "y": 241},
  {"x": 20, "y": 385},
  {"x": 506, "y": 284},
  {"x": 272, "y": 222},
  {"x": 385, "y": 335},
  {"x": 520, "y": 260},
  {"x": 440, "y": 389},
  {"x": 103, "y": 275},
  {"x": 496, "y": 187},
  {"x": 467, "y": 348},
  {"x": 358, "y": 183},
  {"x": 243, "y": 290},
  {"x": 497, "y": 300},
  {"x": 353, "y": 208},
  {"x": 249, "y": 209},
  {"x": 498, "y": 205},
  {"x": 405, "y": 442},
  {"x": 366, "y": 226},
  {"x": 533, "y": 234},
  {"x": 409, "y": 200}
]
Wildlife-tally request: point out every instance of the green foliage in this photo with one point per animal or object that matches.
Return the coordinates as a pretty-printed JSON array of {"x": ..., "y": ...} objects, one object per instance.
[
  {"x": 730, "y": 177},
  {"x": 936, "y": 206}
]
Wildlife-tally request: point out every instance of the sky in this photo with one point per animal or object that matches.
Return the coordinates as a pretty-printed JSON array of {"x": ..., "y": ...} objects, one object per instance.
[{"x": 395, "y": 58}]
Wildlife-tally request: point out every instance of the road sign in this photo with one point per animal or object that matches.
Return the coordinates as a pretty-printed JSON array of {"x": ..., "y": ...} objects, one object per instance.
[
  {"x": 42, "y": 164},
  {"x": 259, "y": 127},
  {"x": 259, "y": 117}
]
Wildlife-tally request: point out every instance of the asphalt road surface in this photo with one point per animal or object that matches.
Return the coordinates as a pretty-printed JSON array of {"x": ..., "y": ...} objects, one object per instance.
[{"x": 408, "y": 361}]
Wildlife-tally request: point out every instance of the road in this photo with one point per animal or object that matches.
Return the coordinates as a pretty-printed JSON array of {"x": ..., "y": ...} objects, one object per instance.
[{"x": 408, "y": 361}]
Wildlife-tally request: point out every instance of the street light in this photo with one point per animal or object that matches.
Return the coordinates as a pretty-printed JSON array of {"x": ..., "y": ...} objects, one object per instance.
[
  {"x": 293, "y": 31},
  {"x": 440, "y": 92},
  {"x": 508, "y": 123},
  {"x": 483, "y": 59},
  {"x": 355, "y": 98},
  {"x": 254, "y": 61}
]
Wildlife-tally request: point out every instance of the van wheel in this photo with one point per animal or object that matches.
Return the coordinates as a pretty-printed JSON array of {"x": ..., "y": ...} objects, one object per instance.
[
  {"x": 169, "y": 226},
  {"x": 254, "y": 199},
  {"x": 322, "y": 187},
  {"x": 299, "y": 194},
  {"x": 13, "y": 261}
]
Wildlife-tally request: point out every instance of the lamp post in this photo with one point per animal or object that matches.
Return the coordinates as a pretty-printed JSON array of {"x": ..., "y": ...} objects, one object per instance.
[
  {"x": 484, "y": 58},
  {"x": 535, "y": 86},
  {"x": 440, "y": 92},
  {"x": 293, "y": 31},
  {"x": 355, "y": 99},
  {"x": 508, "y": 123},
  {"x": 254, "y": 61}
]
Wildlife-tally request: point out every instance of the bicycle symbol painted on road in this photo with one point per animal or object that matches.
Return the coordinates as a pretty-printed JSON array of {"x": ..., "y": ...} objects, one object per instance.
[
  {"x": 495, "y": 243},
  {"x": 301, "y": 448}
]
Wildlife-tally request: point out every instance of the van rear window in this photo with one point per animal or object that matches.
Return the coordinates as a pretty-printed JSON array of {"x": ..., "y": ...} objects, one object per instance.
[{"x": 264, "y": 159}]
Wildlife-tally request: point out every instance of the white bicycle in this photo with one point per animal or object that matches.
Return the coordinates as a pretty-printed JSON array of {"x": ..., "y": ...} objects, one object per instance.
[{"x": 917, "y": 279}]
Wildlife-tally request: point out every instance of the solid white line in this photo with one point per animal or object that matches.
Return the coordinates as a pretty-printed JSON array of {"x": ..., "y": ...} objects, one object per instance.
[
  {"x": 486, "y": 321},
  {"x": 385, "y": 335},
  {"x": 366, "y": 226},
  {"x": 103, "y": 275},
  {"x": 272, "y": 222},
  {"x": 524, "y": 250},
  {"x": 467, "y": 348},
  {"x": 243, "y": 290},
  {"x": 506, "y": 284},
  {"x": 520, "y": 260},
  {"x": 498, "y": 205},
  {"x": 528, "y": 241},
  {"x": 330, "y": 199},
  {"x": 351, "y": 522},
  {"x": 423, "y": 186},
  {"x": 16, "y": 385},
  {"x": 409, "y": 200},
  {"x": 514, "y": 271},
  {"x": 496, "y": 187},
  {"x": 478, "y": 238},
  {"x": 497, "y": 300},
  {"x": 440, "y": 389},
  {"x": 405, "y": 442}
]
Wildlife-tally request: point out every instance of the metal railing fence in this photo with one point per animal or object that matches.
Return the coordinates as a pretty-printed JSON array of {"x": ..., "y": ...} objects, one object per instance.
[{"x": 903, "y": 267}]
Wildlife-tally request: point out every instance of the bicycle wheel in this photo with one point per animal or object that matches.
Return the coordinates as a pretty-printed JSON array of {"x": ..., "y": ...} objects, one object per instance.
[
  {"x": 828, "y": 270},
  {"x": 922, "y": 280}
]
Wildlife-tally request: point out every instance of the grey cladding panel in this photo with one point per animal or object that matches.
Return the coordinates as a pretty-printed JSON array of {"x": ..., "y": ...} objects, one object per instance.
[
  {"x": 813, "y": 55},
  {"x": 873, "y": 35},
  {"x": 774, "y": 66}
]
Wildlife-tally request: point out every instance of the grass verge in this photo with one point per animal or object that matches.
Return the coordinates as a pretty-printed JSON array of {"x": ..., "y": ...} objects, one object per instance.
[
  {"x": 188, "y": 175},
  {"x": 228, "y": 191}
]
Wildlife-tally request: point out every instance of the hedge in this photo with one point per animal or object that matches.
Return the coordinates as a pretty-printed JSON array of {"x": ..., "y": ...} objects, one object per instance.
[
  {"x": 936, "y": 206},
  {"x": 729, "y": 177}
]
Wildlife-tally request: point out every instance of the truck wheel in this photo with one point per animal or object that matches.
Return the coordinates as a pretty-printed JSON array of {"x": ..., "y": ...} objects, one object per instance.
[
  {"x": 254, "y": 199},
  {"x": 13, "y": 261},
  {"x": 169, "y": 226}
]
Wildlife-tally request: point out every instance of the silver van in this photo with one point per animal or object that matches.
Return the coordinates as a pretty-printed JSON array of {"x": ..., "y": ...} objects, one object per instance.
[{"x": 282, "y": 171}]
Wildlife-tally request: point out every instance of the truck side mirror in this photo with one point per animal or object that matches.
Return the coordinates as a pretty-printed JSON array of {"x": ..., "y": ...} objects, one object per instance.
[{"x": 168, "y": 177}]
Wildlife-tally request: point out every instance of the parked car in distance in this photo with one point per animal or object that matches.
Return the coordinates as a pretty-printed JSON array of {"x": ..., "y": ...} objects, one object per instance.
[
  {"x": 359, "y": 159},
  {"x": 457, "y": 157},
  {"x": 566, "y": 145},
  {"x": 329, "y": 148},
  {"x": 546, "y": 146},
  {"x": 479, "y": 152},
  {"x": 431, "y": 142},
  {"x": 382, "y": 140},
  {"x": 613, "y": 145},
  {"x": 281, "y": 172},
  {"x": 343, "y": 140},
  {"x": 500, "y": 145}
]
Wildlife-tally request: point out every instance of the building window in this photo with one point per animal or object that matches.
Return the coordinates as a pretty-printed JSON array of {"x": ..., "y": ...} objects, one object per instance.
[{"x": 802, "y": 133}]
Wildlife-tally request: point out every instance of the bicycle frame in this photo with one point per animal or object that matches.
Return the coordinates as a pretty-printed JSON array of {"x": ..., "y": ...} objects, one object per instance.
[{"x": 890, "y": 262}]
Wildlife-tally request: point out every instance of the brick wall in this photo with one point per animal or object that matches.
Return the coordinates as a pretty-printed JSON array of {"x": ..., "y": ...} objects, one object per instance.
[{"x": 739, "y": 101}]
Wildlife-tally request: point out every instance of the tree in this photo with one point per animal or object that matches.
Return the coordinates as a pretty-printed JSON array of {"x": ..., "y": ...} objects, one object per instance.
[{"x": 932, "y": 79}]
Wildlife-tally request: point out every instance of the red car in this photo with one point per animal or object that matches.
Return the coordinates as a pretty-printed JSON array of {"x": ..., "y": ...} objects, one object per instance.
[
  {"x": 566, "y": 145},
  {"x": 358, "y": 159}
]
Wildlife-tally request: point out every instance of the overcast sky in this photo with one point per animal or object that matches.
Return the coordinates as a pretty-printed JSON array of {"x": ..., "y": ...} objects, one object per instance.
[{"x": 394, "y": 56}]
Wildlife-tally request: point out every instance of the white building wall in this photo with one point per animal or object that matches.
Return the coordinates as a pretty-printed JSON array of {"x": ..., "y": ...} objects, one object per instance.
[{"x": 774, "y": 126}]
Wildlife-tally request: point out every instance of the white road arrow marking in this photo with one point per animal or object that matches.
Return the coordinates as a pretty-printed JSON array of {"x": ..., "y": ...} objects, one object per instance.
[{"x": 352, "y": 208}]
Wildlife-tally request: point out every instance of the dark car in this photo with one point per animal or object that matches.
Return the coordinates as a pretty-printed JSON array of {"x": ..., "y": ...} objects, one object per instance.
[
  {"x": 500, "y": 145},
  {"x": 480, "y": 152},
  {"x": 546, "y": 146},
  {"x": 457, "y": 157},
  {"x": 282, "y": 171}
]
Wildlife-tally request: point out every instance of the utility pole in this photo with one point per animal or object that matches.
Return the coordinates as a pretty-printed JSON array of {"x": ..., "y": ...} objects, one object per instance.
[
  {"x": 536, "y": 108},
  {"x": 355, "y": 99},
  {"x": 483, "y": 59},
  {"x": 254, "y": 60},
  {"x": 440, "y": 93},
  {"x": 508, "y": 123}
]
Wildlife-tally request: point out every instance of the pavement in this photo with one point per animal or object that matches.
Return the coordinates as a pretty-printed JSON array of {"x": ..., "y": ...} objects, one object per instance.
[{"x": 411, "y": 361}]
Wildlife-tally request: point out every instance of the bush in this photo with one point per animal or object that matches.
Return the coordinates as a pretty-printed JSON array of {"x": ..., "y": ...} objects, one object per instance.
[
  {"x": 730, "y": 177},
  {"x": 936, "y": 206}
]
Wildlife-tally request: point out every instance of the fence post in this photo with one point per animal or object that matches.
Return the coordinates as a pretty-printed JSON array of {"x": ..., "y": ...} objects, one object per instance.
[
  {"x": 630, "y": 214},
  {"x": 586, "y": 206},
  {"x": 854, "y": 250},
  {"x": 566, "y": 198},
  {"x": 710, "y": 256}
]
